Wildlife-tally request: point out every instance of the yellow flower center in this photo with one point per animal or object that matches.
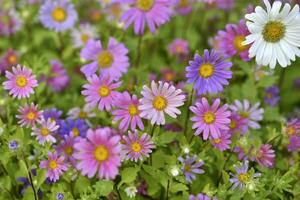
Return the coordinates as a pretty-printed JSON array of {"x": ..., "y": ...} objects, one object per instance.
[
  {"x": 69, "y": 150},
  {"x": 84, "y": 38},
  {"x": 59, "y": 14},
  {"x": 183, "y": 3},
  {"x": 237, "y": 43},
  {"x": 187, "y": 168},
  {"x": 105, "y": 59},
  {"x": 206, "y": 70},
  {"x": 260, "y": 74},
  {"x": 244, "y": 177},
  {"x": 145, "y": 5},
  {"x": 179, "y": 49},
  {"x": 44, "y": 132},
  {"x": 133, "y": 109},
  {"x": 11, "y": 59},
  {"x": 101, "y": 153},
  {"x": 290, "y": 130},
  {"x": 82, "y": 115},
  {"x": 232, "y": 124},
  {"x": 75, "y": 132},
  {"x": 52, "y": 164},
  {"x": 209, "y": 117},
  {"x": 104, "y": 91},
  {"x": 169, "y": 76},
  {"x": 21, "y": 81},
  {"x": 260, "y": 154},
  {"x": 273, "y": 31},
  {"x": 116, "y": 10},
  {"x": 160, "y": 103},
  {"x": 217, "y": 141},
  {"x": 244, "y": 114},
  {"x": 136, "y": 147},
  {"x": 31, "y": 115}
]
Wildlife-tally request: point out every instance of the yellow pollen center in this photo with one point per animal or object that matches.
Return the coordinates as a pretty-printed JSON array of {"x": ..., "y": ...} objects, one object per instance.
[
  {"x": 237, "y": 43},
  {"x": 244, "y": 114},
  {"x": 69, "y": 150},
  {"x": 160, "y": 103},
  {"x": 244, "y": 177},
  {"x": 44, "y": 132},
  {"x": 290, "y": 131},
  {"x": 145, "y": 5},
  {"x": 21, "y": 81},
  {"x": 209, "y": 117},
  {"x": 82, "y": 115},
  {"x": 169, "y": 76},
  {"x": 101, "y": 153},
  {"x": 232, "y": 124},
  {"x": 31, "y": 115},
  {"x": 206, "y": 70},
  {"x": 179, "y": 49},
  {"x": 136, "y": 147},
  {"x": 12, "y": 59},
  {"x": 183, "y": 3},
  {"x": 260, "y": 154},
  {"x": 52, "y": 164},
  {"x": 187, "y": 168},
  {"x": 273, "y": 31},
  {"x": 84, "y": 38},
  {"x": 104, "y": 91},
  {"x": 132, "y": 109},
  {"x": 105, "y": 59},
  {"x": 217, "y": 141},
  {"x": 75, "y": 132},
  {"x": 59, "y": 14},
  {"x": 261, "y": 74}
]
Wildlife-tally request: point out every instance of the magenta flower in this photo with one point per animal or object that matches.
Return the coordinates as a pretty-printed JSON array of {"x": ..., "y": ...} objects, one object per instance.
[
  {"x": 55, "y": 166},
  {"x": 293, "y": 127},
  {"x": 232, "y": 38},
  {"x": 222, "y": 143},
  {"x": 183, "y": 7},
  {"x": 100, "y": 90},
  {"x": 29, "y": 115},
  {"x": 153, "y": 12},
  {"x": 66, "y": 148},
  {"x": 294, "y": 144},
  {"x": 44, "y": 132},
  {"x": 179, "y": 47},
  {"x": 265, "y": 156},
  {"x": 100, "y": 151},
  {"x": 9, "y": 59},
  {"x": 134, "y": 148},
  {"x": 238, "y": 124},
  {"x": 160, "y": 99},
  {"x": 20, "y": 82},
  {"x": 112, "y": 61},
  {"x": 210, "y": 120},
  {"x": 128, "y": 112}
]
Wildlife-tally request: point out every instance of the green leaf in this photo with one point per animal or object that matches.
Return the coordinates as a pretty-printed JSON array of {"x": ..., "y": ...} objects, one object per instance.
[
  {"x": 103, "y": 188},
  {"x": 128, "y": 175},
  {"x": 161, "y": 176},
  {"x": 165, "y": 138},
  {"x": 178, "y": 187},
  {"x": 267, "y": 81}
]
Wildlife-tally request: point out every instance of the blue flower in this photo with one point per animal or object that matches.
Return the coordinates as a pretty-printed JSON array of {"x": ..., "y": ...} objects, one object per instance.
[
  {"x": 72, "y": 127},
  {"x": 191, "y": 167},
  {"x": 13, "y": 145},
  {"x": 52, "y": 114}
]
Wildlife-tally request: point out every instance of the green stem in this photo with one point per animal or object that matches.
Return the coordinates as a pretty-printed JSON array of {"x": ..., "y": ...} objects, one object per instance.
[
  {"x": 188, "y": 114},
  {"x": 168, "y": 186},
  {"x": 30, "y": 179},
  {"x": 138, "y": 58},
  {"x": 280, "y": 85}
]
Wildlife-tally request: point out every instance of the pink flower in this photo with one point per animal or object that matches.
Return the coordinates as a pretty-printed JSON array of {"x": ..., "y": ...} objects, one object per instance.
[
  {"x": 127, "y": 111},
  {"x": 134, "y": 148},
  {"x": 238, "y": 124},
  {"x": 29, "y": 115},
  {"x": 20, "y": 83},
  {"x": 55, "y": 166},
  {"x": 66, "y": 147},
  {"x": 45, "y": 131},
  {"x": 99, "y": 151},
  {"x": 222, "y": 143},
  {"x": 100, "y": 90},
  {"x": 210, "y": 120},
  {"x": 179, "y": 47},
  {"x": 266, "y": 156},
  {"x": 160, "y": 99}
]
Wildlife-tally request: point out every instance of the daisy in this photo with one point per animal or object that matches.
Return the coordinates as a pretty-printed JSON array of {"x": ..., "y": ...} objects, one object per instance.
[
  {"x": 183, "y": 7},
  {"x": 293, "y": 127},
  {"x": 274, "y": 34},
  {"x": 10, "y": 22},
  {"x": 134, "y": 148},
  {"x": 20, "y": 82},
  {"x": 210, "y": 120},
  {"x": 232, "y": 38},
  {"x": 83, "y": 34},
  {"x": 265, "y": 156},
  {"x": 44, "y": 132},
  {"x": 249, "y": 112},
  {"x": 160, "y": 99},
  {"x": 191, "y": 167},
  {"x": 114, "y": 11},
  {"x": 112, "y": 61},
  {"x": 9, "y": 59},
  {"x": 29, "y": 115},
  {"x": 222, "y": 143},
  {"x": 294, "y": 144},
  {"x": 53, "y": 114},
  {"x": 179, "y": 47},
  {"x": 272, "y": 95},
  {"x": 238, "y": 124},
  {"x": 127, "y": 112},
  {"x": 99, "y": 152},
  {"x": 153, "y": 12},
  {"x": 55, "y": 166},
  {"x": 58, "y": 15},
  {"x": 81, "y": 113},
  {"x": 100, "y": 90},
  {"x": 210, "y": 73},
  {"x": 66, "y": 148},
  {"x": 74, "y": 128}
]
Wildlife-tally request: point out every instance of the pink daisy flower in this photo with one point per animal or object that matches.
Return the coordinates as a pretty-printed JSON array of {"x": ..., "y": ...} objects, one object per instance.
[
  {"x": 153, "y": 12},
  {"x": 99, "y": 151},
  {"x": 66, "y": 148},
  {"x": 45, "y": 131},
  {"x": 112, "y": 61},
  {"x": 160, "y": 99},
  {"x": 134, "y": 148},
  {"x": 55, "y": 166},
  {"x": 100, "y": 90},
  {"x": 293, "y": 127},
  {"x": 210, "y": 120},
  {"x": 238, "y": 124},
  {"x": 29, "y": 115},
  {"x": 266, "y": 156},
  {"x": 127, "y": 111},
  {"x": 179, "y": 47},
  {"x": 20, "y": 82},
  {"x": 222, "y": 143},
  {"x": 232, "y": 38}
]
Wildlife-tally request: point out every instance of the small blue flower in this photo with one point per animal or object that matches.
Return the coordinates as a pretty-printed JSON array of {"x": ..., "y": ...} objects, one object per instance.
[
  {"x": 13, "y": 145},
  {"x": 52, "y": 113},
  {"x": 72, "y": 127},
  {"x": 59, "y": 196},
  {"x": 191, "y": 167}
]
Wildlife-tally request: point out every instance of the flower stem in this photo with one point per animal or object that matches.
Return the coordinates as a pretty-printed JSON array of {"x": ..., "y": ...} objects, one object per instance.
[
  {"x": 138, "y": 58},
  {"x": 30, "y": 179},
  {"x": 188, "y": 114},
  {"x": 168, "y": 186}
]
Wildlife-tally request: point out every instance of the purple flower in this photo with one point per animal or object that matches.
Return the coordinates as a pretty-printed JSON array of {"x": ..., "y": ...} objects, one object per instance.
[
  {"x": 9, "y": 59},
  {"x": 45, "y": 130},
  {"x": 210, "y": 120},
  {"x": 272, "y": 95},
  {"x": 210, "y": 73},
  {"x": 201, "y": 196},
  {"x": 58, "y": 15},
  {"x": 183, "y": 7},
  {"x": 13, "y": 145},
  {"x": 112, "y": 61},
  {"x": 293, "y": 127},
  {"x": 73, "y": 128},
  {"x": 237, "y": 124},
  {"x": 66, "y": 148},
  {"x": 294, "y": 144},
  {"x": 191, "y": 167},
  {"x": 53, "y": 114},
  {"x": 59, "y": 196},
  {"x": 29, "y": 115},
  {"x": 9, "y": 22},
  {"x": 265, "y": 156},
  {"x": 83, "y": 34},
  {"x": 153, "y": 12},
  {"x": 222, "y": 143},
  {"x": 179, "y": 47}
]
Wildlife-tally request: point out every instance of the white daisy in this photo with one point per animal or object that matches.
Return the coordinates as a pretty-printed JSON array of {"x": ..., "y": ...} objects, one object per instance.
[
  {"x": 274, "y": 34},
  {"x": 83, "y": 34}
]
